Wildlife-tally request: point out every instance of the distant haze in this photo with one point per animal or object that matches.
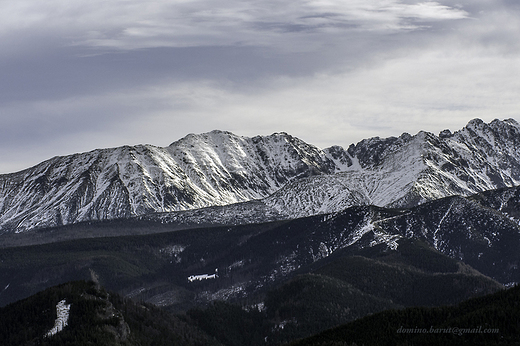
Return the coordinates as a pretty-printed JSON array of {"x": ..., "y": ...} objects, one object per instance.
[{"x": 75, "y": 76}]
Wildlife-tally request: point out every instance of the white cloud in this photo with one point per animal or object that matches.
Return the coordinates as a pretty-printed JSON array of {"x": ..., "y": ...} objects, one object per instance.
[
  {"x": 427, "y": 90},
  {"x": 133, "y": 24},
  {"x": 429, "y": 10}
]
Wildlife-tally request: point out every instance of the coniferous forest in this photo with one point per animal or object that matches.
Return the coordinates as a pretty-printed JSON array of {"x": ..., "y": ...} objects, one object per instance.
[{"x": 98, "y": 317}]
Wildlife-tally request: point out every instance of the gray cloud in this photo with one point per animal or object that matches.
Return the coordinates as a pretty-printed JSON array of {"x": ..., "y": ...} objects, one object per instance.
[
  {"x": 85, "y": 74},
  {"x": 133, "y": 24}
]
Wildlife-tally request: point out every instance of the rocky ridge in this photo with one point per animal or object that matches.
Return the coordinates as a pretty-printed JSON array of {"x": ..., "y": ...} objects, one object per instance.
[{"x": 281, "y": 174}]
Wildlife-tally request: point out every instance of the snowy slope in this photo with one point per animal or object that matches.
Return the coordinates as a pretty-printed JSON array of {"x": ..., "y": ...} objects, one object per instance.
[
  {"x": 215, "y": 168},
  {"x": 410, "y": 170},
  {"x": 285, "y": 176}
]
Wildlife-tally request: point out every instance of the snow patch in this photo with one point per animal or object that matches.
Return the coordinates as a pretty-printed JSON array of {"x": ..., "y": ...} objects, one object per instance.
[
  {"x": 237, "y": 264},
  {"x": 135, "y": 292},
  {"x": 62, "y": 320},
  {"x": 225, "y": 293},
  {"x": 256, "y": 307},
  {"x": 284, "y": 323},
  {"x": 201, "y": 277},
  {"x": 173, "y": 251},
  {"x": 192, "y": 278}
]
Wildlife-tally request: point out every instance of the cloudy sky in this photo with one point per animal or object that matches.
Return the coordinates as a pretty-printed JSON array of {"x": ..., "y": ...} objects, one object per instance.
[{"x": 86, "y": 74}]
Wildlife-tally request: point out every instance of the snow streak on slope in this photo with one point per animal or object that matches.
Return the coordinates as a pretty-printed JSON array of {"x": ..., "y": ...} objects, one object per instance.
[{"x": 62, "y": 319}]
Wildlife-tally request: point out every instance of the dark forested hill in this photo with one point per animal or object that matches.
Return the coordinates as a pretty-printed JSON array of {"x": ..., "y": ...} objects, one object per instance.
[
  {"x": 94, "y": 317},
  {"x": 489, "y": 320}
]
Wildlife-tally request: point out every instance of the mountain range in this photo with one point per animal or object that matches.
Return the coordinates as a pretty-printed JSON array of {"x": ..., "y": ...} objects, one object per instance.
[
  {"x": 288, "y": 177},
  {"x": 271, "y": 228}
]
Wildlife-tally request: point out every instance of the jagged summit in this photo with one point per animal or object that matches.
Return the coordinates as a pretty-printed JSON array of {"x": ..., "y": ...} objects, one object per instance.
[{"x": 285, "y": 174}]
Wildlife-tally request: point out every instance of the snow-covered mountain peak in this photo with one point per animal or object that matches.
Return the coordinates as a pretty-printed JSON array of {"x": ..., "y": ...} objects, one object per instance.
[
  {"x": 237, "y": 156},
  {"x": 214, "y": 168},
  {"x": 408, "y": 170},
  {"x": 291, "y": 177},
  {"x": 208, "y": 137}
]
